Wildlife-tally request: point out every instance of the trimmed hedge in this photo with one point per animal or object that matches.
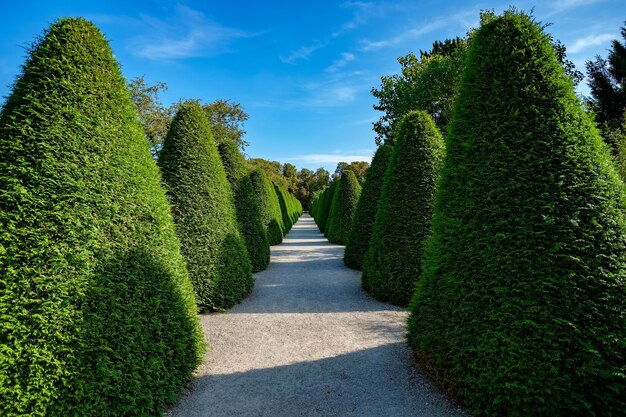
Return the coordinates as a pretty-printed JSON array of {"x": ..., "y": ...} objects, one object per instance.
[
  {"x": 284, "y": 208},
  {"x": 248, "y": 213},
  {"x": 403, "y": 219},
  {"x": 325, "y": 207},
  {"x": 520, "y": 307},
  {"x": 365, "y": 214},
  {"x": 204, "y": 211},
  {"x": 345, "y": 199},
  {"x": 97, "y": 311},
  {"x": 269, "y": 206}
]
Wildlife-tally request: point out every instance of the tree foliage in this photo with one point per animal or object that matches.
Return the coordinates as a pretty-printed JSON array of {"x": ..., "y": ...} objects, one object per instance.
[
  {"x": 227, "y": 121},
  {"x": 358, "y": 168},
  {"x": 154, "y": 117},
  {"x": 248, "y": 212},
  {"x": 365, "y": 214},
  {"x": 97, "y": 311},
  {"x": 273, "y": 170},
  {"x": 430, "y": 82},
  {"x": 520, "y": 307},
  {"x": 607, "y": 81},
  {"x": 403, "y": 217},
  {"x": 204, "y": 211}
]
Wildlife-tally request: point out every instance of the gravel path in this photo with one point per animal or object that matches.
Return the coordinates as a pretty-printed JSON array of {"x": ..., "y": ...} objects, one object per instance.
[{"x": 309, "y": 342}]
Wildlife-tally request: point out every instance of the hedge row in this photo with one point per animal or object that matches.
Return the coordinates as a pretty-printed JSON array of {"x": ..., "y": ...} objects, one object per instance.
[
  {"x": 290, "y": 208},
  {"x": 342, "y": 208},
  {"x": 321, "y": 206},
  {"x": 520, "y": 309},
  {"x": 102, "y": 276},
  {"x": 403, "y": 217},
  {"x": 363, "y": 225},
  {"x": 98, "y": 312},
  {"x": 246, "y": 204},
  {"x": 204, "y": 211}
]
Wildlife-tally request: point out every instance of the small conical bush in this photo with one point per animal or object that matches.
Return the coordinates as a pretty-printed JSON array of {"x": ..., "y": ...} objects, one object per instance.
[
  {"x": 269, "y": 206},
  {"x": 326, "y": 206},
  {"x": 284, "y": 208},
  {"x": 520, "y": 307},
  {"x": 403, "y": 218},
  {"x": 248, "y": 213},
  {"x": 345, "y": 199},
  {"x": 204, "y": 211},
  {"x": 365, "y": 214},
  {"x": 97, "y": 312}
]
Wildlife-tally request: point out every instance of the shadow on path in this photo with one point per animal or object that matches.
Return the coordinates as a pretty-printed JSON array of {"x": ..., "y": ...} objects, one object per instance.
[{"x": 309, "y": 342}]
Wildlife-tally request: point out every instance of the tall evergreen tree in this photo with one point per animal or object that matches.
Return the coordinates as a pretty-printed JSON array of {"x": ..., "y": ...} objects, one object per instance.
[
  {"x": 607, "y": 81},
  {"x": 204, "y": 211},
  {"x": 97, "y": 311},
  {"x": 403, "y": 217},
  {"x": 325, "y": 207},
  {"x": 248, "y": 212},
  {"x": 361, "y": 232},
  {"x": 520, "y": 307}
]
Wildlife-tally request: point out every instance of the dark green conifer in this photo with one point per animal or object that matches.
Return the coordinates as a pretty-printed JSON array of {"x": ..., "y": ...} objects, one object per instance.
[
  {"x": 248, "y": 213},
  {"x": 325, "y": 207},
  {"x": 204, "y": 211},
  {"x": 269, "y": 206},
  {"x": 365, "y": 214},
  {"x": 520, "y": 307},
  {"x": 285, "y": 209},
  {"x": 345, "y": 199},
  {"x": 97, "y": 314},
  {"x": 403, "y": 219}
]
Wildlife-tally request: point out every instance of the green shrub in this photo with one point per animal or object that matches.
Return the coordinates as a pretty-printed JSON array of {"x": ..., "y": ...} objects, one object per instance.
[
  {"x": 345, "y": 198},
  {"x": 269, "y": 206},
  {"x": 325, "y": 207},
  {"x": 284, "y": 208},
  {"x": 204, "y": 211},
  {"x": 403, "y": 218},
  {"x": 365, "y": 214},
  {"x": 97, "y": 312},
  {"x": 248, "y": 213},
  {"x": 520, "y": 307}
]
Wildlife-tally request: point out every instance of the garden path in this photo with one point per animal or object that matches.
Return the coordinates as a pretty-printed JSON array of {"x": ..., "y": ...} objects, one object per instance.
[{"x": 309, "y": 341}]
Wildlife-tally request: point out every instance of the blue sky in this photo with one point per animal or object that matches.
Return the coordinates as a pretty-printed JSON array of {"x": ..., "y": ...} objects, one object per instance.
[{"x": 302, "y": 70}]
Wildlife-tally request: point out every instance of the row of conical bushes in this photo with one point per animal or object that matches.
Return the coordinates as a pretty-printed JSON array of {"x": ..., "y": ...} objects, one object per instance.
[
  {"x": 510, "y": 246},
  {"x": 334, "y": 208},
  {"x": 104, "y": 257}
]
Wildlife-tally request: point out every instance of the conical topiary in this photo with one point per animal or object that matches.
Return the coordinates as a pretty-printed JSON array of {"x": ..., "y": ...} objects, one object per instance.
[
  {"x": 365, "y": 214},
  {"x": 343, "y": 206},
  {"x": 326, "y": 206},
  {"x": 269, "y": 206},
  {"x": 284, "y": 208},
  {"x": 204, "y": 211},
  {"x": 403, "y": 219},
  {"x": 97, "y": 311},
  {"x": 520, "y": 308},
  {"x": 248, "y": 213}
]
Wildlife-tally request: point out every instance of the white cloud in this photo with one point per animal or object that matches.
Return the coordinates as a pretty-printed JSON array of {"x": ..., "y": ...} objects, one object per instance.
[
  {"x": 302, "y": 53},
  {"x": 416, "y": 33},
  {"x": 581, "y": 44},
  {"x": 346, "y": 57},
  {"x": 187, "y": 33},
  {"x": 563, "y": 5}
]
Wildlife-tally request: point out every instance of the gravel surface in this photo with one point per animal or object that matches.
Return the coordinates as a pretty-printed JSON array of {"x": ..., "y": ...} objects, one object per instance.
[{"x": 309, "y": 342}]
